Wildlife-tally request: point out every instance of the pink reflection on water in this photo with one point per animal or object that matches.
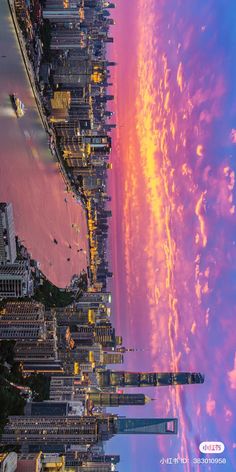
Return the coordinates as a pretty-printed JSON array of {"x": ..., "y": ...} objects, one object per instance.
[
  {"x": 43, "y": 209},
  {"x": 29, "y": 176}
]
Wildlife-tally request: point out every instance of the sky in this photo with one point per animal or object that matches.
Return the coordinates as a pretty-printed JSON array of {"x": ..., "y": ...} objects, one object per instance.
[{"x": 173, "y": 235}]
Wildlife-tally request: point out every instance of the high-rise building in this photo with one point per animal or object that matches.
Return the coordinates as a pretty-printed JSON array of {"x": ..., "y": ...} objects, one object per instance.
[
  {"x": 45, "y": 367},
  {"x": 102, "y": 333},
  {"x": 39, "y": 352},
  {"x": 112, "y": 358},
  {"x": 60, "y": 13},
  {"x": 108, "y": 399},
  {"x": 7, "y": 234},
  {"x": 16, "y": 280},
  {"x": 35, "y": 351},
  {"x": 46, "y": 408},
  {"x": 94, "y": 299},
  {"x": 67, "y": 388},
  {"x": 24, "y": 320},
  {"x": 108, "y": 378},
  {"x": 75, "y": 458},
  {"x": 63, "y": 431},
  {"x": 105, "y": 335},
  {"x": 74, "y": 391},
  {"x": 20, "y": 330},
  {"x": 29, "y": 310},
  {"x": 147, "y": 426}
]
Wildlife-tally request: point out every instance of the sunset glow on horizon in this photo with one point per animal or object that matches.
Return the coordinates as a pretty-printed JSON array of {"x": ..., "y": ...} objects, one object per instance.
[{"x": 173, "y": 209}]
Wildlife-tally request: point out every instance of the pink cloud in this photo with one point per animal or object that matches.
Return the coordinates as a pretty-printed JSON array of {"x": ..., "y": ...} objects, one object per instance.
[
  {"x": 233, "y": 136},
  {"x": 228, "y": 413},
  {"x": 193, "y": 327},
  {"x": 198, "y": 409},
  {"x": 232, "y": 375},
  {"x": 210, "y": 405}
]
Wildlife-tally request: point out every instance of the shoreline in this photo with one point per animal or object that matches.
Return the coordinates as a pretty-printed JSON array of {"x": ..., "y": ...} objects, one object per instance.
[
  {"x": 88, "y": 197},
  {"x": 33, "y": 84}
]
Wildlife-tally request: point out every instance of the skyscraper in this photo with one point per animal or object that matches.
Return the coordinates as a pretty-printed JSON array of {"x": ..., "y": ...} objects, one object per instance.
[
  {"x": 147, "y": 426},
  {"x": 117, "y": 399},
  {"x": 45, "y": 432},
  {"x": 112, "y": 358},
  {"x": 63, "y": 431},
  {"x": 66, "y": 388},
  {"x": 21, "y": 321},
  {"x": 16, "y": 280},
  {"x": 108, "y": 378},
  {"x": 7, "y": 234}
]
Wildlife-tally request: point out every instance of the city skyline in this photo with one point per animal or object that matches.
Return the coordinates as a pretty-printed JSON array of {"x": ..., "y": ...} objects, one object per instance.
[
  {"x": 75, "y": 340},
  {"x": 159, "y": 186}
]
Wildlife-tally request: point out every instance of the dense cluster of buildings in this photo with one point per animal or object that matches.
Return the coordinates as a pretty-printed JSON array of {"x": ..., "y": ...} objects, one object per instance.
[
  {"x": 53, "y": 462},
  {"x": 16, "y": 278},
  {"x": 77, "y": 106},
  {"x": 66, "y": 44},
  {"x": 74, "y": 346}
]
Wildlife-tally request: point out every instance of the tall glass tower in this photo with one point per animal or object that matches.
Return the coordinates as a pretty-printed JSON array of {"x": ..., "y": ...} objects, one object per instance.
[
  {"x": 47, "y": 433},
  {"x": 147, "y": 426},
  {"x": 117, "y": 399},
  {"x": 108, "y": 378}
]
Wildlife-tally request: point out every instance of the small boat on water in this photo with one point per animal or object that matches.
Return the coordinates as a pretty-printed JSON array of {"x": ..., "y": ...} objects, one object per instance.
[{"x": 17, "y": 105}]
